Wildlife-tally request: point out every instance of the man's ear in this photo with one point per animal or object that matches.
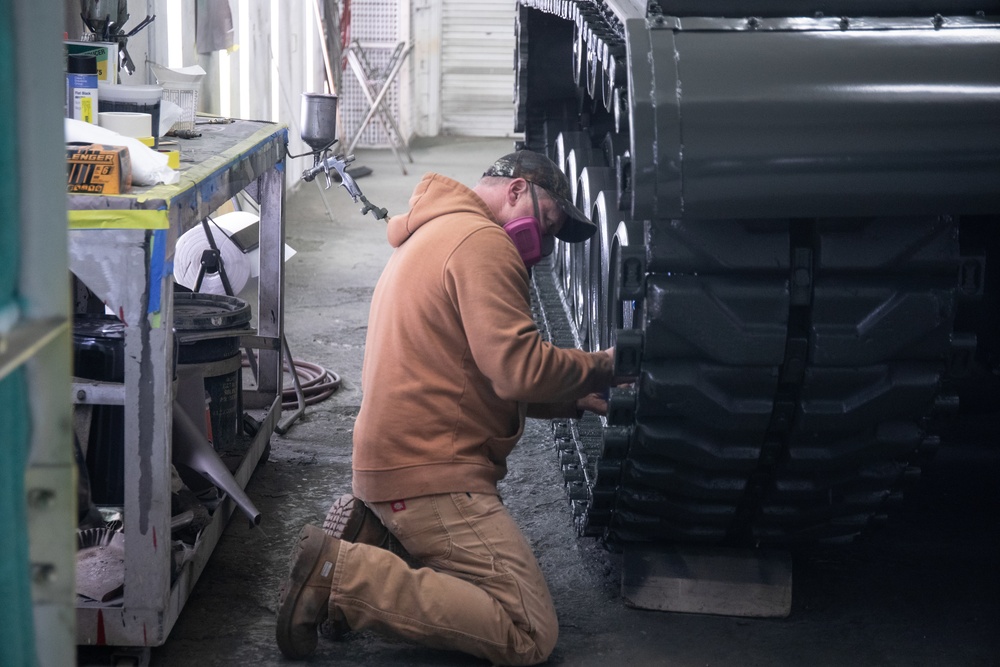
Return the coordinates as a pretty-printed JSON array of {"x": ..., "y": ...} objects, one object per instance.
[{"x": 516, "y": 189}]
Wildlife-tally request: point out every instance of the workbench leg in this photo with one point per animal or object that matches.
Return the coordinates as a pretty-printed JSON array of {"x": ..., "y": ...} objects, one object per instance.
[{"x": 270, "y": 311}]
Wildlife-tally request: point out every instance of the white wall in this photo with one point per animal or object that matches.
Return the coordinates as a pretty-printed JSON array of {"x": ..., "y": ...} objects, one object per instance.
[
  {"x": 277, "y": 55},
  {"x": 477, "y": 68}
]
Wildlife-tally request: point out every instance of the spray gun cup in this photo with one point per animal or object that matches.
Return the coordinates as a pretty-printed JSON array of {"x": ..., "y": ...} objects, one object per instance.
[{"x": 318, "y": 121}]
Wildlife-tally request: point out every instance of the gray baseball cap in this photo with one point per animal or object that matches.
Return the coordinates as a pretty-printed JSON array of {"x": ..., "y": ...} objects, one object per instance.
[{"x": 543, "y": 172}]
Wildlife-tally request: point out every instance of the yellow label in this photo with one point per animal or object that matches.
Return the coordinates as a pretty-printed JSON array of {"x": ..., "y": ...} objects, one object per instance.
[{"x": 87, "y": 109}]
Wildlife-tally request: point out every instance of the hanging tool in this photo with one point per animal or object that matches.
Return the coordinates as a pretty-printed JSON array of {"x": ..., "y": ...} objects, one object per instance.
[
  {"x": 318, "y": 130},
  {"x": 339, "y": 163},
  {"x": 106, "y": 20}
]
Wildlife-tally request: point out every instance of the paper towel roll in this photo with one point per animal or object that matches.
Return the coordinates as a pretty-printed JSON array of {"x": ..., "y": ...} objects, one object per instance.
[
  {"x": 127, "y": 123},
  {"x": 187, "y": 262}
]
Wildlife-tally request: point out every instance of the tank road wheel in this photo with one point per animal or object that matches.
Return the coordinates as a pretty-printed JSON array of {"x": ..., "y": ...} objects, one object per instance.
[
  {"x": 624, "y": 306},
  {"x": 570, "y": 147},
  {"x": 606, "y": 216},
  {"x": 578, "y": 293},
  {"x": 579, "y": 64},
  {"x": 586, "y": 276}
]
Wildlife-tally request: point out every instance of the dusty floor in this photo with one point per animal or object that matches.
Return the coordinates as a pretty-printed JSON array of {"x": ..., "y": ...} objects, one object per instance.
[{"x": 924, "y": 590}]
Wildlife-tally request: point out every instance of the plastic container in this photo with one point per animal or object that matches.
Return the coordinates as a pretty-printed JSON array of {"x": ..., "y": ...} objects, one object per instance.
[
  {"x": 134, "y": 99},
  {"x": 181, "y": 87},
  {"x": 184, "y": 95}
]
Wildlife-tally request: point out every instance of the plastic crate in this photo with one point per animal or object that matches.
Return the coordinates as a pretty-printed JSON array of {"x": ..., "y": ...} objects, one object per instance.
[{"x": 184, "y": 95}]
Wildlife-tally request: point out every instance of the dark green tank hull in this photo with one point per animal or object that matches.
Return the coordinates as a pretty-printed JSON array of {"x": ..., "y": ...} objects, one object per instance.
[{"x": 798, "y": 210}]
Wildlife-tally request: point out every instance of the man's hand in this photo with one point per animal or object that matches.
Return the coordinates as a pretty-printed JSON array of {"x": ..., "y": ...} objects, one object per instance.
[
  {"x": 596, "y": 403},
  {"x": 619, "y": 380}
]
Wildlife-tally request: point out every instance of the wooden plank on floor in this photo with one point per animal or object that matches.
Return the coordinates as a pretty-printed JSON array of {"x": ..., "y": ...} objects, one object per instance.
[{"x": 707, "y": 580}]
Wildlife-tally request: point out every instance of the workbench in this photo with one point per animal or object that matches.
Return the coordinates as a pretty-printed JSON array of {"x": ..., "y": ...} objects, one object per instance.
[{"x": 121, "y": 247}]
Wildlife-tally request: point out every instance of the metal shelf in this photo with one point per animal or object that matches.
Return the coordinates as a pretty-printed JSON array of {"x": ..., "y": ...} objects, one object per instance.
[{"x": 121, "y": 247}]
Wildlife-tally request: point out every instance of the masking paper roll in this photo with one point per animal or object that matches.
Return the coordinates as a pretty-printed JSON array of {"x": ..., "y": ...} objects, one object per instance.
[
  {"x": 187, "y": 261},
  {"x": 127, "y": 123}
]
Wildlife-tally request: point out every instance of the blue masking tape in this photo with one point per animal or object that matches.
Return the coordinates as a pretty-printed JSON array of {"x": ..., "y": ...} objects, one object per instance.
[{"x": 157, "y": 264}]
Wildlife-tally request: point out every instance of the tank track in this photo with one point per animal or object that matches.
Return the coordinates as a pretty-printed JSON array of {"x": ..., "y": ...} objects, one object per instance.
[
  {"x": 790, "y": 372},
  {"x": 750, "y": 434}
]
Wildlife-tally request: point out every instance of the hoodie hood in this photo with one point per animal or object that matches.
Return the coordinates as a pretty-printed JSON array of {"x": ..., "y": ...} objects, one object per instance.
[{"x": 435, "y": 196}]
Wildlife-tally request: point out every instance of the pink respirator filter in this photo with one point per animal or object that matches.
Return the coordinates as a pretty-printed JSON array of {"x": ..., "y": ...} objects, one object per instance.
[{"x": 527, "y": 237}]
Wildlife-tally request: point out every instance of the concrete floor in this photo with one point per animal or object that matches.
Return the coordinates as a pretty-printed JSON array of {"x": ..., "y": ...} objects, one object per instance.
[{"x": 923, "y": 591}]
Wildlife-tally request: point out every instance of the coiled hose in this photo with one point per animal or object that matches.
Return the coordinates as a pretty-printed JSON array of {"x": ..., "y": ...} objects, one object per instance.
[{"x": 317, "y": 383}]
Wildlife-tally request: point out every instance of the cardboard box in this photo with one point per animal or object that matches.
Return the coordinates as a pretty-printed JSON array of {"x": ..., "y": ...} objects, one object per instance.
[
  {"x": 99, "y": 169},
  {"x": 107, "y": 57}
]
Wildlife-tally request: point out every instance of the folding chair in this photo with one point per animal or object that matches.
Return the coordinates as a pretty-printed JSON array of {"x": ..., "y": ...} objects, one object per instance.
[{"x": 375, "y": 85}]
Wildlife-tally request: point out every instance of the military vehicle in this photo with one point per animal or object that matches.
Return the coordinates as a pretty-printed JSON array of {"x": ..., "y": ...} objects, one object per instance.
[{"x": 798, "y": 207}]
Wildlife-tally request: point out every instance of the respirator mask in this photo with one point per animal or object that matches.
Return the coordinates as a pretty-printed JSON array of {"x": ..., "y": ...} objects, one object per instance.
[{"x": 526, "y": 233}]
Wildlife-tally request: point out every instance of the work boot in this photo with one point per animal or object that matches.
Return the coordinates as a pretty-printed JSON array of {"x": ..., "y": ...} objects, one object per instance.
[
  {"x": 349, "y": 519},
  {"x": 305, "y": 597}
]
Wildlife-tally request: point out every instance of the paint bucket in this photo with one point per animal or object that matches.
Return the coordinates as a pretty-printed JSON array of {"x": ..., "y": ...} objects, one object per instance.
[
  {"x": 119, "y": 97},
  {"x": 99, "y": 354},
  {"x": 207, "y": 331}
]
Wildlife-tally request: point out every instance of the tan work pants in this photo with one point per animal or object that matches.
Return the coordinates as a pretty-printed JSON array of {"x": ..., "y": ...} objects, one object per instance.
[{"x": 480, "y": 590}]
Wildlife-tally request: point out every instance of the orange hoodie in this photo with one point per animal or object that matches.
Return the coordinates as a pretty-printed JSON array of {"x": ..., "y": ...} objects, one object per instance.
[{"x": 453, "y": 356}]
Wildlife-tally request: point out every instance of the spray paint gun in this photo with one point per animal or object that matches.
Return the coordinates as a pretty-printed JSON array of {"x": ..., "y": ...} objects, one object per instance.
[
  {"x": 340, "y": 164},
  {"x": 319, "y": 122}
]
